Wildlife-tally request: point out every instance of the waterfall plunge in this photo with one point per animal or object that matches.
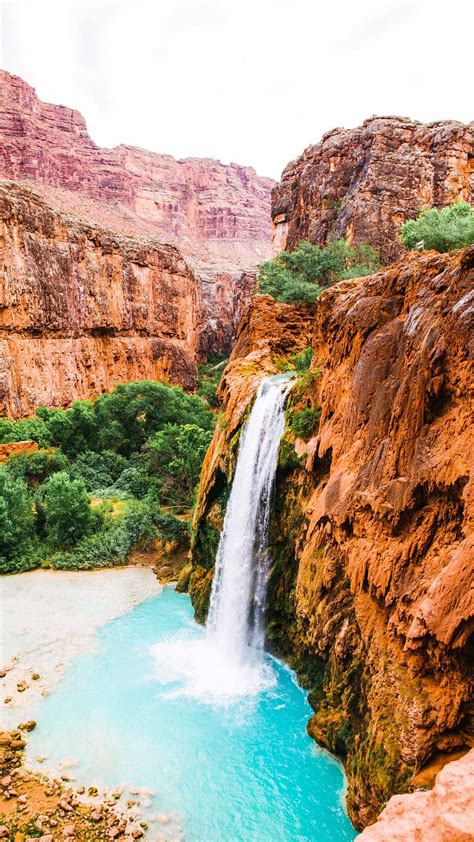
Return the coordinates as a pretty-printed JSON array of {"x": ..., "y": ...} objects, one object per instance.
[
  {"x": 228, "y": 662},
  {"x": 237, "y": 605}
]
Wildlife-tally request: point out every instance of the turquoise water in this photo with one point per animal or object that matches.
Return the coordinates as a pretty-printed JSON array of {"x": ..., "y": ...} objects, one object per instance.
[{"x": 229, "y": 772}]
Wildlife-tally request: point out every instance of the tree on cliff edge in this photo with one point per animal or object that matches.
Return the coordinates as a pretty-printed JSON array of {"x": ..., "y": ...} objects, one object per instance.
[
  {"x": 442, "y": 230},
  {"x": 302, "y": 275}
]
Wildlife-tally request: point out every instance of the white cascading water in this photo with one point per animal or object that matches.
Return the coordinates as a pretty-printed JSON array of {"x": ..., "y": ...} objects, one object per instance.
[
  {"x": 227, "y": 663},
  {"x": 236, "y": 611}
]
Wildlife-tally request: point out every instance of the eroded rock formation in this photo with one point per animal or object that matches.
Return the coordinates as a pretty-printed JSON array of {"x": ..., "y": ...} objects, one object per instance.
[
  {"x": 445, "y": 814},
  {"x": 218, "y": 215},
  {"x": 370, "y": 593},
  {"x": 82, "y": 309},
  {"x": 362, "y": 183}
]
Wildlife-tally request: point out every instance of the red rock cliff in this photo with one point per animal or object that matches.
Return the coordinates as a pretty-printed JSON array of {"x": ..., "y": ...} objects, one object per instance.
[
  {"x": 362, "y": 183},
  {"x": 370, "y": 593},
  {"x": 218, "y": 215},
  {"x": 82, "y": 309}
]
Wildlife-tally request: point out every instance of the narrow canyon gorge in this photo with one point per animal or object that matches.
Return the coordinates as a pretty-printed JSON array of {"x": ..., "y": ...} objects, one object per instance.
[{"x": 121, "y": 265}]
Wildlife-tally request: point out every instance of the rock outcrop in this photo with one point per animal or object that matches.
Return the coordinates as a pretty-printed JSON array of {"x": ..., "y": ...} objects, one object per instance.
[
  {"x": 82, "y": 308},
  {"x": 370, "y": 592},
  {"x": 363, "y": 183},
  {"x": 445, "y": 814},
  {"x": 218, "y": 215}
]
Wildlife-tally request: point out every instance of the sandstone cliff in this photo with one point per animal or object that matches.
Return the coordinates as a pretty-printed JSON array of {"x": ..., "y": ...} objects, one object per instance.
[
  {"x": 218, "y": 215},
  {"x": 82, "y": 309},
  {"x": 370, "y": 595},
  {"x": 362, "y": 183}
]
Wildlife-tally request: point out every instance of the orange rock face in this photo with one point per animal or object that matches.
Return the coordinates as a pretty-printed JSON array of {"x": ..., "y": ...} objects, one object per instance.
[
  {"x": 16, "y": 448},
  {"x": 82, "y": 309},
  {"x": 218, "y": 215},
  {"x": 370, "y": 594},
  {"x": 446, "y": 814},
  {"x": 363, "y": 183}
]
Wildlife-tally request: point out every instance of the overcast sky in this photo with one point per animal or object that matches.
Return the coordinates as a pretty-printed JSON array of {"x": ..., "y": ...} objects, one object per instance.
[{"x": 250, "y": 81}]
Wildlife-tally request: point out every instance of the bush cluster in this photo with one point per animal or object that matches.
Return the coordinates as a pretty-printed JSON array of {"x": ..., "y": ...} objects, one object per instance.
[
  {"x": 303, "y": 274},
  {"x": 141, "y": 446},
  {"x": 444, "y": 229}
]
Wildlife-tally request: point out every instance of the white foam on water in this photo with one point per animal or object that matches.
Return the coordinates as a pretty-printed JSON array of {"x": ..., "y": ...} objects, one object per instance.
[{"x": 201, "y": 669}]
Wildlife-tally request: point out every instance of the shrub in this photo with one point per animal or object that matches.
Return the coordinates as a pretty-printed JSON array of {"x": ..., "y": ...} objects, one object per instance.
[
  {"x": 302, "y": 361},
  {"x": 68, "y": 515},
  {"x": 210, "y": 375},
  {"x": 37, "y": 466},
  {"x": 28, "y": 429},
  {"x": 175, "y": 454},
  {"x": 16, "y": 523},
  {"x": 98, "y": 470},
  {"x": 302, "y": 275},
  {"x": 140, "y": 523},
  {"x": 305, "y": 421},
  {"x": 443, "y": 230}
]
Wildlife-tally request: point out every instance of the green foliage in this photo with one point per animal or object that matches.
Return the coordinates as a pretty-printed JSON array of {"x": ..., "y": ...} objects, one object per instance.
[
  {"x": 304, "y": 422},
  {"x": 140, "y": 522},
  {"x": 443, "y": 230},
  {"x": 302, "y": 275},
  {"x": 110, "y": 448},
  {"x": 68, "y": 515},
  {"x": 98, "y": 470},
  {"x": 16, "y": 523},
  {"x": 37, "y": 466},
  {"x": 132, "y": 413},
  {"x": 175, "y": 455},
  {"x": 288, "y": 459},
  {"x": 210, "y": 375},
  {"x": 302, "y": 361},
  {"x": 28, "y": 429}
]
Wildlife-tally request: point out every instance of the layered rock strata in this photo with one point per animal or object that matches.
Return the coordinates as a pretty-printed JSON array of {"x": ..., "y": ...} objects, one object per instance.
[
  {"x": 370, "y": 592},
  {"x": 218, "y": 215},
  {"x": 363, "y": 183},
  {"x": 82, "y": 308}
]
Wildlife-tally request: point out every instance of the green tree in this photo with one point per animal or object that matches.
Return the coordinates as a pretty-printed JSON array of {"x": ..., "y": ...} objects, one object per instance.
[
  {"x": 176, "y": 454},
  {"x": 67, "y": 512},
  {"x": 16, "y": 519},
  {"x": 302, "y": 275},
  {"x": 36, "y": 466},
  {"x": 442, "y": 229}
]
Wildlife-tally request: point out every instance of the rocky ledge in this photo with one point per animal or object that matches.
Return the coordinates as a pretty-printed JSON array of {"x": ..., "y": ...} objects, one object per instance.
[{"x": 445, "y": 814}]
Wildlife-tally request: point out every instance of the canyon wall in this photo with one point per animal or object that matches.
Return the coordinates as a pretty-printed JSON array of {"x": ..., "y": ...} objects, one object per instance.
[
  {"x": 83, "y": 309},
  {"x": 218, "y": 215},
  {"x": 370, "y": 591},
  {"x": 363, "y": 183}
]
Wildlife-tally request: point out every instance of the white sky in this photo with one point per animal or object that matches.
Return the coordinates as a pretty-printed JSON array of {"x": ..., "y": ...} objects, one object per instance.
[{"x": 251, "y": 81}]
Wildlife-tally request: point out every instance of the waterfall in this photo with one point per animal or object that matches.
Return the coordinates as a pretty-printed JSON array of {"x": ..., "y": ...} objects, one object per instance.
[
  {"x": 236, "y": 613},
  {"x": 227, "y": 663}
]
